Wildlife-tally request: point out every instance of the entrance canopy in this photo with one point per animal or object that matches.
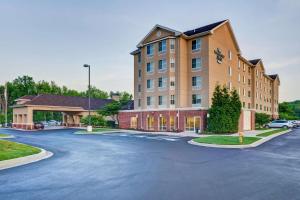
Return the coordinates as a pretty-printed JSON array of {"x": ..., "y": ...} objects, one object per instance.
[{"x": 73, "y": 108}]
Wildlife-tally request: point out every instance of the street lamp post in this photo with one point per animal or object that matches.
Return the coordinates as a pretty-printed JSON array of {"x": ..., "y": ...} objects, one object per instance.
[{"x": 89, "y": 127}]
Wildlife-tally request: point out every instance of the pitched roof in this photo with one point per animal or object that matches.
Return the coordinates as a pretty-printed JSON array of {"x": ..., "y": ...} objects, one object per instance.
[
  {"x": 254, "y": 61},
  {"x": 68, "y": 101},
  {"x": 27, "y": 97},
  {"x": 203, "y": 28}
]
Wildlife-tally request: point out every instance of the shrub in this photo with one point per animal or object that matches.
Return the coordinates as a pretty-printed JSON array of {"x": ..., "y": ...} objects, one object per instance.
[
  {"x": 261, "y": 119},
  {"x": 2, "y": 119},
  {"x": 96, "y": 120}
]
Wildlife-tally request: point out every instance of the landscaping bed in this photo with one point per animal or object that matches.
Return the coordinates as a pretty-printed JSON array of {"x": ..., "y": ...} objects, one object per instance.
[
  {"x": 226, "y": 140},
  {"x": 10, "y": 150}
]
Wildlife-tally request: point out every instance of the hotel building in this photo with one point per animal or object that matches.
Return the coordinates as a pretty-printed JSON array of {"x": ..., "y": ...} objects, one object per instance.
[{"x": 175, "y": 74}]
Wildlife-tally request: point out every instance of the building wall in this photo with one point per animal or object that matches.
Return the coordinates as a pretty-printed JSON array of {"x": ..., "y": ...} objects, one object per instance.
[{"x": 258, "y": 92}]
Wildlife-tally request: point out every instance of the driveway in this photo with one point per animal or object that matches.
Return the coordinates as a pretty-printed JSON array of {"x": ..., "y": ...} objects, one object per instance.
[{"x": 124, "y": 166}]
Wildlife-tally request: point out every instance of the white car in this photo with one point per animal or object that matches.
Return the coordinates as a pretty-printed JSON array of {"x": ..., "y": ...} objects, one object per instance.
[
  {"x": 53, "y": 123},
  {"x": 280, "y": 124}
]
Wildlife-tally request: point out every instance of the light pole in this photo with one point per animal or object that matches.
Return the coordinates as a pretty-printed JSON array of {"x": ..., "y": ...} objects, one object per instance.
[{"x": 89, "y": 127}]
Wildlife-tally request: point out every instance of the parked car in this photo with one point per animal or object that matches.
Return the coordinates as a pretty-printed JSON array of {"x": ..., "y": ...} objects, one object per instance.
[
  {"x": 53, "y": 123},
  {"x": 39, "y": 125},
  {"x": 280, "y": 124},
  {"x": 45, "y": 123},
  {"x": 296, "y": 123}
]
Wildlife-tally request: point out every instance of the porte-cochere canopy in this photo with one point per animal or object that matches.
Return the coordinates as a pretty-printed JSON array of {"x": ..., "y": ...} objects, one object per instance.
[{"x": 73, "y": 108}]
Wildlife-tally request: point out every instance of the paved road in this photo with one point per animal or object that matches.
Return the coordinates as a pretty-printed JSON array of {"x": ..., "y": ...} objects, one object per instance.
[{"x": 122, "y": 166}]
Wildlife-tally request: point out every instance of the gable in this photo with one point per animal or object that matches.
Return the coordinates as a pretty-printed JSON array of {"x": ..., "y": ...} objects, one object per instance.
[
  {"x": 158, "y": 32},
  {"x": 223, "y": 35}
]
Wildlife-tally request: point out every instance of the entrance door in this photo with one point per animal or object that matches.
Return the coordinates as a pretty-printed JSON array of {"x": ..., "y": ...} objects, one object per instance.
[
  {"x": 150, "y": 123},
  {"x": 192, "y": 123},
  {"x": 247, "y": 120},
  {"x": 162, "y": 123},
  {"x": 133, "y": 122}
]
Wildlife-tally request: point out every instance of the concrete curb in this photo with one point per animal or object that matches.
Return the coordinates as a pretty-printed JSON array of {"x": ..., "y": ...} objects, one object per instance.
[
  {"x": 6, "y": 164},
  {"x": 255, "y": 144}
]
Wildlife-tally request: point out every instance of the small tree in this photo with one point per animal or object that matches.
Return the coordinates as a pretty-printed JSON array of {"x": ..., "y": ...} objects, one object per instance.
[
  {"x": 225, "y": 111},
  {"x": 112, "y": 109},
  {"x": 261, "y": 119}
]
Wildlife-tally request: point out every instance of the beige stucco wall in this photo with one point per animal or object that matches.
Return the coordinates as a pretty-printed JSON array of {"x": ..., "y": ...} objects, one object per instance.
[{"x": 243, "y": 73}]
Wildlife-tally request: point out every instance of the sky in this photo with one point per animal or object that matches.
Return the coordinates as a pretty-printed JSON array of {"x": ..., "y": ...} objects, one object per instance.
[{"x": 51, "y": 39}]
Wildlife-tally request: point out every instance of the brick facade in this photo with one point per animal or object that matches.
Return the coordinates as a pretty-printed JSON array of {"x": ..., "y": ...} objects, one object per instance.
[{"x": 179, "y": 125}]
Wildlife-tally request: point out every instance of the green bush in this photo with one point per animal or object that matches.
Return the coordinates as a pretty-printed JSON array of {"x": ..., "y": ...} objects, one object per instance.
[
  {"x": 96, "y": 120},
  {"x": 225, "y": 111},
  {"x": 2, "y": 119},
  {"x": 261, "y": 119}
]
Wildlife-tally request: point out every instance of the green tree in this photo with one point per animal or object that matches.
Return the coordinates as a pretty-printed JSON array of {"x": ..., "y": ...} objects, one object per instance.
[
  {"x": 286, "y": 111},
  {"x": 112, "y": 109},
  {"x": 225, "y": 111},
  {"x": 2, "y": 119}
]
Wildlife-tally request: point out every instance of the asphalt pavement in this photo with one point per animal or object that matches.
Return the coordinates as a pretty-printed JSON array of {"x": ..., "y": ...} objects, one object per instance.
[{"x": 126, "y": 166}]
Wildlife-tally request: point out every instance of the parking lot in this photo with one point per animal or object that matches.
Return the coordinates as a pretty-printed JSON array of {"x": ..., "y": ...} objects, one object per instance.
[{"x": 149, "y": 166}]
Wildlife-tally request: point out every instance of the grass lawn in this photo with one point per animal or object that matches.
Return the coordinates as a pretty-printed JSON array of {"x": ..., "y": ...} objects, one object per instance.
[
  {"x": 10, "y": 150},
  {"x": 225, "y": 140},
  {"x": 97, "y": 130},
  {"x": 3, "y": 135},
  {"x": 261, "y": 129},
  {"x": 265, "y": 134}
]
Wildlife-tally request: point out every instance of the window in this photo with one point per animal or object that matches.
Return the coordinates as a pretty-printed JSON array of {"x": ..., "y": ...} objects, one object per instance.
[
  {"x": 244, "y": 92},
  {"x": 239, "y": 77},
  {"x": 149, "y": 84},
  {"x": 229, "y": 55},
  {"x": 244, "y": 79},
  {"x": 150, "y": 50},
  {"x": 249, "y": 93},
  {"x": 244, "y": 104},
  {"x": 162, "y": 65},
  {"x": 196, "y": 63},
  {"x": 239, "y": 64},
  {"x": 256, "y": 72},
  {"x": 229, "y": 71},
  {"x": 196, "y": 99},
  {"x": 160, "y": 100},
  {"x": 196, "y": 81},
  {"x": 150, "y": 67},
  {"x": 172, "y": 99},
  {"x": 244, "y": 67},
  {"x": 172, "y": 63},
  {"x": 249, "y": 70},
  {"x": 256, "y": 106},
  {"x": 139, "y": 57},
  {"x": 149, "y": 101},
  {"x": 139, "y": 103},
  {"x": 172, "y": 45},
  {"x": 196, "y": 44},
  {"x": 140, "y": 73},
  {"x": 249, "y": 105},
  {"x": 162, "y": 46},
  {"x": 162, "y": 82},
  {"x": 249, "y": 81},
  {"x": 139, "y": 88}
]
